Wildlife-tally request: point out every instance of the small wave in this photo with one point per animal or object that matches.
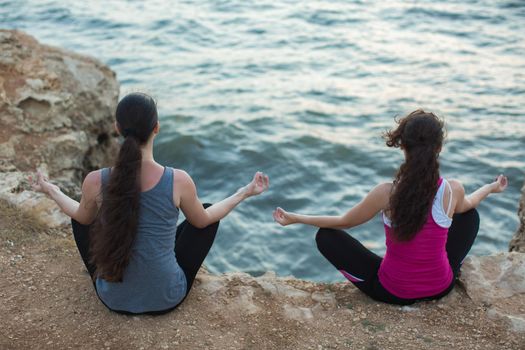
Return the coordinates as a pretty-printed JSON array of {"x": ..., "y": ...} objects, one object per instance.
[
  {"x": 256, "y": 31},
  {"x": 328, "y": 18},
  {"x": 451, "y": 16},
  {"x": 160, "y": 24}
]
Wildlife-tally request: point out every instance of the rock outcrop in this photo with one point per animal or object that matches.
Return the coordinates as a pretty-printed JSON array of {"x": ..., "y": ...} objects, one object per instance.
[
  {"x": 56, "y": 113},
  {"x": 498, "y": 282},
  {"x": 517, "y": 244}
]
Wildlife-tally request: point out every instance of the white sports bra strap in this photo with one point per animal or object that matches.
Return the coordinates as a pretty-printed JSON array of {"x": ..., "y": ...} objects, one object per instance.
[
  {"x": 450, "y": 197},
  {"x": 438, "y": 207}
]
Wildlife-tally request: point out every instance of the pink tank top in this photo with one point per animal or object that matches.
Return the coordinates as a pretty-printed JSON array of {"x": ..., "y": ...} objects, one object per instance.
[{"x": 418, "y": 268}]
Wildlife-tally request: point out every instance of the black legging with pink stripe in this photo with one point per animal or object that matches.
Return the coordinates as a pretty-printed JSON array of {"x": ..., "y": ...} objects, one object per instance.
[{"x": 348, "y": 254}]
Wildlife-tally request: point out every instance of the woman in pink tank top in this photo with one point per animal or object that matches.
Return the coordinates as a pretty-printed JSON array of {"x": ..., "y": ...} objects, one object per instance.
[{"x": 430, "y": 224}]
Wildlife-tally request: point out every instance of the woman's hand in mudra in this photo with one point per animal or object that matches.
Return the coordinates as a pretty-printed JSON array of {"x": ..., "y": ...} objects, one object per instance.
[
  {"x": 41, "y": 183},
  {"x": 258, "y": 185},
  {"x": 282, "y": 217},
  {"x": 500, "y": 184}
]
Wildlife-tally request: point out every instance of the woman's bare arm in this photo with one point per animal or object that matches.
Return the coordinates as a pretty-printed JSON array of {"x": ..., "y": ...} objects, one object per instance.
[
  {"x": 186, "y": 197},
  {"x": 83, "y": 212},
  {"x": 375, "y": 201},
  {"x": 464, "y": 202}
]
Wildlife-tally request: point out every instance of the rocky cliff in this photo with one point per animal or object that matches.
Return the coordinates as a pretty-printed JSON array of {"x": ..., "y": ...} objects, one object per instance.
[
  {"x": 517, "y": 244},
  {"x": 56, "y": 113}
]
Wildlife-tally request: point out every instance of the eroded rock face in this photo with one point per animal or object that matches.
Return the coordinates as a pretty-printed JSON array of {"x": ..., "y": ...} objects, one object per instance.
[
  {"x": 56, "y": 113},
  {"x": 298, "y": 300},
  {"x": 517, "y": 244},
  {"x": 498, "y": 281}
]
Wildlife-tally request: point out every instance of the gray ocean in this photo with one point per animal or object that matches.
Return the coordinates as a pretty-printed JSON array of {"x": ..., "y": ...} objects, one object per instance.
[{"x": 302, "y": 90}]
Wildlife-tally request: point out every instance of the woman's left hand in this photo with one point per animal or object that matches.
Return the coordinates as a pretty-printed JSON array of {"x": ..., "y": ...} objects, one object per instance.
[
  {"x": 42, "y": 184},
  {"x": 258, "y": 185},
  {"x": 500, "y": 184}
]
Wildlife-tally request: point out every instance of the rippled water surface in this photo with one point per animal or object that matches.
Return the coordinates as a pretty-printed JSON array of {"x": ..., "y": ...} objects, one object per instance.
[{"x": 303, "y": 90}]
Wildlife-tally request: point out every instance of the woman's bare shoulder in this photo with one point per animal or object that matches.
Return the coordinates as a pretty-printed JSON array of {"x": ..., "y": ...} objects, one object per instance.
[
  {"x": 456, "y": 186},
  {"x": 380, "y": 194},
  {"x": 92, "y": 182},
  {"x": 180, "y": 175},
  {"x": 94, "y": 177},
  {"x": 384, "y": 188},
  {"x": 182, "y": 179}
]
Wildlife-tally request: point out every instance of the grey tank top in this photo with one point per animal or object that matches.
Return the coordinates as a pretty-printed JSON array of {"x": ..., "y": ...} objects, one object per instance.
[{"x": 153, "y": 280}]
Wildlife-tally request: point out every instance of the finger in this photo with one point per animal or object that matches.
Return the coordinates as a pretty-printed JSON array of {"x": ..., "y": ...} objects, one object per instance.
[
  {"x": 267, "y": 181},
  {"x": 39, "y": 176},
  {"x": 277, "y": 217},
  {"x": 36, "y": 187},
  {"x": 258, "y": 179},
  {"x": 262, "y": 183}
]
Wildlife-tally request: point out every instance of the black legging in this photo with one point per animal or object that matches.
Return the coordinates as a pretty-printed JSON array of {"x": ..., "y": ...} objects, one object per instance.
[
  {"x": 348, "y": 254},
  {"x": 192, "y": 244}
]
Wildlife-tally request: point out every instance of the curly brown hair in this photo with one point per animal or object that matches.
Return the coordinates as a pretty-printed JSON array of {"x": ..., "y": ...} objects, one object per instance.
[
  {"x": 115, "y": 228},
  {"x": 420, "y": 135}
]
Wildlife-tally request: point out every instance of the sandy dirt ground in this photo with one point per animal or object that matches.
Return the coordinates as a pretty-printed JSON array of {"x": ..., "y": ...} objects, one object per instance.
[{"x": 47, "y": 302}]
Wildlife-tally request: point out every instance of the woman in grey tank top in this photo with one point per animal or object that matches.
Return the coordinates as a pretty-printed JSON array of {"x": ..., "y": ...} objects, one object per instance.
[{"x": 125, "y": 225}]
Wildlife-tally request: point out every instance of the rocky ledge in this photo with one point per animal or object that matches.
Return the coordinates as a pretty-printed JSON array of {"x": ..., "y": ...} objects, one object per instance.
[
  {"x": 48, "y": 302},
  {"x": 56, "y": 112},
  {"x": 517, "y": 244}
]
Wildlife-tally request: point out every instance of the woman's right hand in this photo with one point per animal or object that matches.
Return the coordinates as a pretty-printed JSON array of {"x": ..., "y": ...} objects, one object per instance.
[
  {"x": 500, "y": 184},
  {"x": 41, "y": 183},
  {"x": 258, "y": 185},
  {"x": 283, "y": 217}
]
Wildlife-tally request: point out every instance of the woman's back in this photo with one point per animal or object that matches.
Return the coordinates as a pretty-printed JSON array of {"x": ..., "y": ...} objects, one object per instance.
[
  {"x": 153, "y": 280},
  {"x": 128, "y": 239},
  {"x": 419, "y": 267}
]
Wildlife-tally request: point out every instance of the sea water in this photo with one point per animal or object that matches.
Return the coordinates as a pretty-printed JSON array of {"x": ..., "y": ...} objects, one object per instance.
[{"x": 303, "y": 90}]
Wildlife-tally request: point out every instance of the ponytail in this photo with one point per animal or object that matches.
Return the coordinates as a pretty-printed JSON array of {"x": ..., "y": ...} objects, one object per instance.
[
  {"x": 115, "y": 228},
  {"x": 420, "y": 135}
]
